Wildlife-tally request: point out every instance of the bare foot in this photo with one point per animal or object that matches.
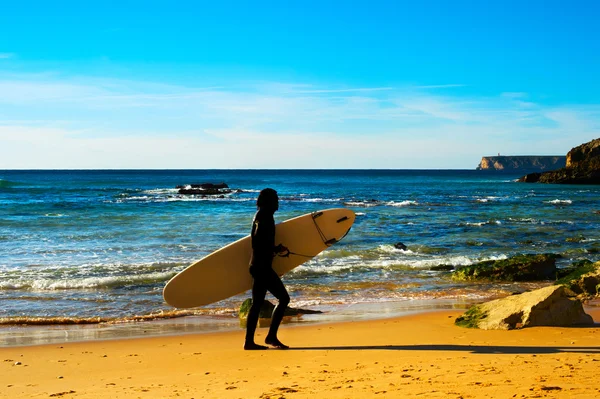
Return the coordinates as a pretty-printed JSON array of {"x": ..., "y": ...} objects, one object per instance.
[
  {"x": 251, "y": 346},
  {"x": 276, "y": 343}
]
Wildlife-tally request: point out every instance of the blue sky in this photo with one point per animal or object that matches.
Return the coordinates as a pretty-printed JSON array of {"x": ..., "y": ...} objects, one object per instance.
[{"x": 324, "y": 84}]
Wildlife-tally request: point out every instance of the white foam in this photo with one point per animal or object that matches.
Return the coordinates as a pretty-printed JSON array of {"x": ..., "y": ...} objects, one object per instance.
[
  {"x": 361, "y": 203},
  {"x": 560, "y": 202},
  {"x": 402, "y": 203}
]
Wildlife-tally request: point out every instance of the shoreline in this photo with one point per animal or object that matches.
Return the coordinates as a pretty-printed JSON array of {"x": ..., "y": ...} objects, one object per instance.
[
  {"x": 36, "y": 335},
  {"x": 419, "y": 355},
  {"x": 33, "y": 335}
]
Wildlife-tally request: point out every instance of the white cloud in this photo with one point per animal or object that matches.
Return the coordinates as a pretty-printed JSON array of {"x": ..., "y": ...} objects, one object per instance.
[
  {"x": 4, "y": 56},
  {"x": 52, "y": 122}
]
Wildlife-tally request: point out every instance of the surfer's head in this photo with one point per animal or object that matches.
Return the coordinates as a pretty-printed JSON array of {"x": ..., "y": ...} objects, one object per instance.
[{"x": 268, "y": 199}]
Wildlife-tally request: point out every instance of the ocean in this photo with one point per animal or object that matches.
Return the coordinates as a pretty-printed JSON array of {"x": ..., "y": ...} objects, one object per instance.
[{"x": 97, "y": 246}]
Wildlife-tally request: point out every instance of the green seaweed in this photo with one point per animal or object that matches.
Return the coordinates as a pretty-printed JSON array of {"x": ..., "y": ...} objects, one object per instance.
[
  {"x": 524, "y": 267},
  {"x": 471, "y": 318},
  {"x": 577, "y": 270}
]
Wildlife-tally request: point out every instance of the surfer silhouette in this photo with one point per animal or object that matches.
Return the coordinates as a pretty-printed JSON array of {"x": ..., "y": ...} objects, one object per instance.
[{"x": 264, "y": 277}]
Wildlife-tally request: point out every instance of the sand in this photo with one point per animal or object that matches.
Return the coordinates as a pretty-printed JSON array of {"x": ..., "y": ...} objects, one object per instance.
[{"x": 420, "y": 356}]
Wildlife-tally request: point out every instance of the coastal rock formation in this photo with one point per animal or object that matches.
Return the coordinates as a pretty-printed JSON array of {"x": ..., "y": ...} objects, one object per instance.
[
  {"x": 583, "y": 279},
  {"x": 264, "y": 317},
  {"x": 549, "y": 306},
  {"x": 526, "y": 267},
  {"x": 582, "y": 167},
  {"x": 522, "y": 163}
]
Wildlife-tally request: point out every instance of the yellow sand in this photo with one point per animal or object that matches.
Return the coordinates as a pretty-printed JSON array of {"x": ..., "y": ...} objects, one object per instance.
[{"x": 422, "y": 356}]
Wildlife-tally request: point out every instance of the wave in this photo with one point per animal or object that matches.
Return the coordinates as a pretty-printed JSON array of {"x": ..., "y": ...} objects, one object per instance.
[
  {"x": 74, "y": 320},
  {"x": 373, "y": 202},
  {"x": 87, "y": 277},
  {"x": 7, "y": 183},
  {"x": 492, "y": 222},
  {"x": 559, "y": 202},
  {"x": 86, "y": 283},
  {"x": 384, "y": 257},
  {"x": 401, "y": 203}
]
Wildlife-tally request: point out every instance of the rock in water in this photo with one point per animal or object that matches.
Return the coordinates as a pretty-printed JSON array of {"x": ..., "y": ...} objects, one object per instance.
[
  {"x": 400, "y": 246},
  {"x": 526, "y": 267},
  {"x": 549, "y": 306}
]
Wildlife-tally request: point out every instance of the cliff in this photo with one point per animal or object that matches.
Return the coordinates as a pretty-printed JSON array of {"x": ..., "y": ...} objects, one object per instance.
[
  {"x": 522, "y": 163},
  {"x": 582, "y": 167}
]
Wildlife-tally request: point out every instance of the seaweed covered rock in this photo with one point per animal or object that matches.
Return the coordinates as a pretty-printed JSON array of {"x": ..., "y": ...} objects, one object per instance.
[
  {"x": 549, "y": 306},
  {"x": 583, "y": 278},
  {"x": 527, "y": 267},
  {"x": 266, "y": 311}
]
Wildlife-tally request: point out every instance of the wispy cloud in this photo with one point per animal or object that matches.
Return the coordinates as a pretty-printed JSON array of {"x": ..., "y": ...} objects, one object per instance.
[
  {"x": 353, "y": 90},
  {"x": 446, "y": 86},
  {"x": 270, "y": 124},
  {"x": 4, "y": 56}
]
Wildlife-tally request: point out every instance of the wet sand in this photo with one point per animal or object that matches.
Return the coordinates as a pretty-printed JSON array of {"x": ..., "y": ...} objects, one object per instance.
[{"x": 423, "y": 355}]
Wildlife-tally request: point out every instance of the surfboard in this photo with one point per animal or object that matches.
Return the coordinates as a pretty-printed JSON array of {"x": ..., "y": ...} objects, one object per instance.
[{"x": 224, "y": 273}]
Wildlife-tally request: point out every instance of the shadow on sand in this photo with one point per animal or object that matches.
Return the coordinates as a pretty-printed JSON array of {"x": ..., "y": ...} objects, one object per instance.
[{"x": 479, "y": 349}]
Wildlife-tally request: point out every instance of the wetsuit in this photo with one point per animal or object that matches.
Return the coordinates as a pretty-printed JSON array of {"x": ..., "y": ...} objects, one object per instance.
[{"x": 265, "y": 278}]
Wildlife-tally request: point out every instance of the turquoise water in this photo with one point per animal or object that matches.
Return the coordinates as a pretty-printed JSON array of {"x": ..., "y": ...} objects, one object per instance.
[{"x": 100, "y": 245}]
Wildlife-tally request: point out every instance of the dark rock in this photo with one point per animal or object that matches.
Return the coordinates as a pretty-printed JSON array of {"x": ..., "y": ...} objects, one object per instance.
[
  {"x": 530, "y": 178},
  {"x": 582, "y": 167},
  {"x": 526, "y": 267},
  {"x": 549, "y": 306},
  {"x": 578, "y": 238},
  {"x": 204, "y": 189},
  {"x": 401, "y": 246}
]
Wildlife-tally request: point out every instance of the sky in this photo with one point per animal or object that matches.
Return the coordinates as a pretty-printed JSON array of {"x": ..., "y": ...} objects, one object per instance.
[{"x": 294, "y": 84}]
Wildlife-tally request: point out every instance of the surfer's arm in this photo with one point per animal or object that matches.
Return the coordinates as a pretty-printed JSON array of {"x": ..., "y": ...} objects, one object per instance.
[{"x": 262, "y": 240}]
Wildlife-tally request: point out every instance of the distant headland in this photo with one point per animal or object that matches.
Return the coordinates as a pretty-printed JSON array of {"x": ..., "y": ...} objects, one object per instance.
[{"x": 522, "y": 163}]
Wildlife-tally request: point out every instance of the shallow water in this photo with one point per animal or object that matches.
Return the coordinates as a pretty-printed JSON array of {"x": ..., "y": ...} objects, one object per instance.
[{"x": 97, "y": 246}]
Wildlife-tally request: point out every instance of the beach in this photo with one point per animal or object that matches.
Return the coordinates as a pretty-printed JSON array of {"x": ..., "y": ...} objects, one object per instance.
[
  {"x": 421, "y": 355},
  {"x": 85, "y": 255}
]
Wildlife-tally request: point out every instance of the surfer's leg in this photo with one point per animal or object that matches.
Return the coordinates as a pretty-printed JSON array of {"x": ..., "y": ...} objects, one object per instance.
[
  {"x": 259, "y": 290},
  {"x": 278, "y": 290}
]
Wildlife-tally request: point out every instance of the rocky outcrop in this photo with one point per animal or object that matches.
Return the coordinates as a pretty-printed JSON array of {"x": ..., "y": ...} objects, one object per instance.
[
  {"x": 528, "y": 267},
  {"x": 522, "y": 163},
  {"x": 266, "y": 311},
  {"x": 549, "y": 306},
  {"x": 583, "y": 279},
  {"x": 582, "y": 167},
  {"x": 204, "y": 189}
]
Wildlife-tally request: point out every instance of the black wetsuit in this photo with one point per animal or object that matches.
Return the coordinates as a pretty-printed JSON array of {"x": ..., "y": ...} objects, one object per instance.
[{"x": 265, "y": 278}]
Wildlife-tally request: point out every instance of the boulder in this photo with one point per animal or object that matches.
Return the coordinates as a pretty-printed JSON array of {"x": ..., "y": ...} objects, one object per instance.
[
  {"x": 582, "y": 167},
  {"x": 549, "y": 306},
  {"x": 528, "y": 267},
  {"x": 266, "y": 311},
  {"x": 400, "y": 246}
]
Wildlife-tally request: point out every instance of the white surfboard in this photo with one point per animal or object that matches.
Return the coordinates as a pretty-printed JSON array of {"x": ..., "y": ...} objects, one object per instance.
[{"x": 224, "y": 273}]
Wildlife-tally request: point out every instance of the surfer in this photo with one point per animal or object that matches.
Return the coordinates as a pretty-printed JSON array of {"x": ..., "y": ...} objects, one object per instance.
[{"x": 264, "y": 277}]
